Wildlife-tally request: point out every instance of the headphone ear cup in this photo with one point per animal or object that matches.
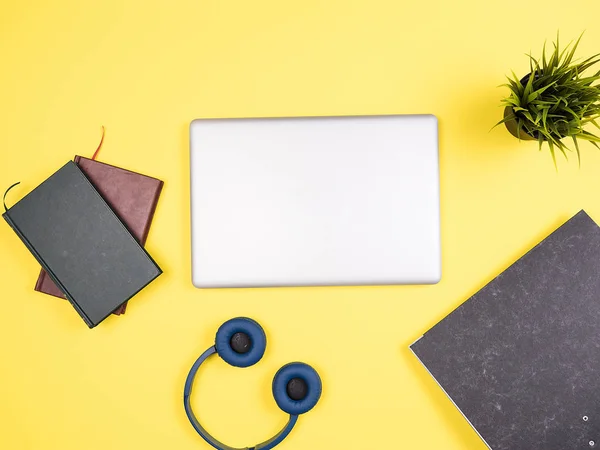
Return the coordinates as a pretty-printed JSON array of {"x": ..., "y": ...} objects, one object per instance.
[
  {"x": 241, "y": 342},
  {"x": 297, "y": 388}
]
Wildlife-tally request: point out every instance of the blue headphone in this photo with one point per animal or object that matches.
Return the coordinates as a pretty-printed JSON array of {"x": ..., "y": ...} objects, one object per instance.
[{"x": 241, "y": 342}]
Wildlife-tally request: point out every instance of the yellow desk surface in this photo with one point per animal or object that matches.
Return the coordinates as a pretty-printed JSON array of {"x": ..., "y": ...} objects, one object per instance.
[{"x": 144, "y": 70}]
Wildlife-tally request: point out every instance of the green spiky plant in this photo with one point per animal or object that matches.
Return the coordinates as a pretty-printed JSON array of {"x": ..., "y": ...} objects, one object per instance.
[{"x": 555, "y": 101}]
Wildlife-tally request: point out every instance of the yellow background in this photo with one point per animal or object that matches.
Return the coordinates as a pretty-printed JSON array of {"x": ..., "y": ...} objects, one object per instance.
[{"x": 145, "y": 69}]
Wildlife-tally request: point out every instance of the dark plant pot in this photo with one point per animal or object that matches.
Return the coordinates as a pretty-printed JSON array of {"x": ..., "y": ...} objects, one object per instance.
[{"x": 511, "y": 125}]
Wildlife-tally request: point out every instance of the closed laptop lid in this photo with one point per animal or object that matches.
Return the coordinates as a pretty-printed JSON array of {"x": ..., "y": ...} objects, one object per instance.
[{"x": 315, "y": 201}]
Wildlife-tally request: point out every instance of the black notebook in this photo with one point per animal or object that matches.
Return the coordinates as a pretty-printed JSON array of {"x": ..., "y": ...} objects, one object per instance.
[
  {"x": 80, "y": 242},
  {"x": 521, "y": 358}
]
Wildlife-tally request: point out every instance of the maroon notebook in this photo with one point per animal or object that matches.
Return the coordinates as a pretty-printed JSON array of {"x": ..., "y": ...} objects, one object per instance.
[{"x": 132, "y": 196}]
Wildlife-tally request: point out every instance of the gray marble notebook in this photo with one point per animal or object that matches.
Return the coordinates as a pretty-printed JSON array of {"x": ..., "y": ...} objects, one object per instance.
[{"x": 521, "y": 358}]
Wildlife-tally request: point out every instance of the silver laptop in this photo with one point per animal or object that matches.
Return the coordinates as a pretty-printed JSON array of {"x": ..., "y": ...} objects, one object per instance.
[{"x": 315, "y": 201}]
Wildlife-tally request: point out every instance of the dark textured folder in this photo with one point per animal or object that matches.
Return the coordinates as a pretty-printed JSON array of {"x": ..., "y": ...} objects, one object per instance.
[
  {"x": 82, "y": 244},
  {"x": 521, "y": 358},
  {"x": 132, "y": 196}
]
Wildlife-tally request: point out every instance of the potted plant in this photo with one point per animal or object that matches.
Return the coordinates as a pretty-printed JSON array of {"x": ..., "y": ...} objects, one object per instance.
[{"x": 555, "y": 101}]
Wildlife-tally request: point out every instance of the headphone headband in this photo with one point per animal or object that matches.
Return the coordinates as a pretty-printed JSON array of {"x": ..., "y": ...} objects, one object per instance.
[{"x": 267, "y": 445}]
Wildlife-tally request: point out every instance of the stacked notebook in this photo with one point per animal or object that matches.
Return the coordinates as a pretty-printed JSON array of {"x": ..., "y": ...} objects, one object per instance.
[
  {"x": 132, "y": 196},
  {"x": 86, "y": 225},
  {"x": 521, "y": 358}
]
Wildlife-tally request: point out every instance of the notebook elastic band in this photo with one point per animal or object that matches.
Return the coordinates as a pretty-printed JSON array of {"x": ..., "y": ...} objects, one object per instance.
[{"x": 4, "y": 198}]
